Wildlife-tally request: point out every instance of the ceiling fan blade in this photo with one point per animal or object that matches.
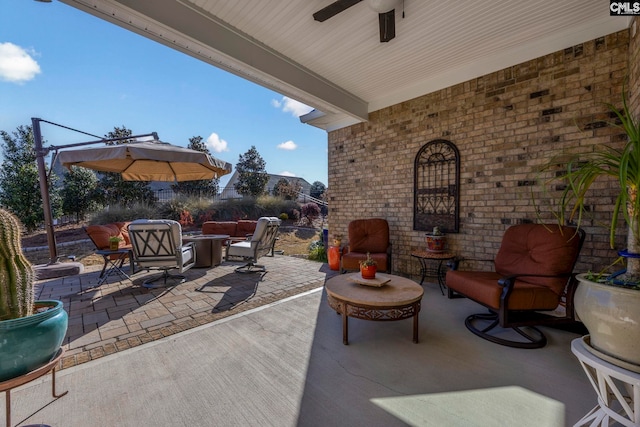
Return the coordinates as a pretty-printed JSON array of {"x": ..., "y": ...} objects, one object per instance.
[
  {"x": 333, "y": 9},
  {"x": 387, "y": 25}
]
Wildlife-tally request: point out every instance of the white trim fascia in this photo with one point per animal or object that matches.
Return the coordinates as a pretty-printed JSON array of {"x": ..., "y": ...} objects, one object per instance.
[{"x": 206, "y": 38}]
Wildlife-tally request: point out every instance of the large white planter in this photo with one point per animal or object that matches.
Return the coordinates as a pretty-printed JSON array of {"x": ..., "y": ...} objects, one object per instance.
[{"x": 612, "y": 316}]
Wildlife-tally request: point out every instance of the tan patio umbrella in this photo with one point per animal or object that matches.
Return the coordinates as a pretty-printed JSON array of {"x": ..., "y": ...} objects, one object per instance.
[{"x": 148, "y": 161}]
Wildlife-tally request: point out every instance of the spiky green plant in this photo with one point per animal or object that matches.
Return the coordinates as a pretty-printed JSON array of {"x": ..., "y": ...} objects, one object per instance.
[
  {"x": 16, "y": 273},
  {"x": 581, "y": 171}
]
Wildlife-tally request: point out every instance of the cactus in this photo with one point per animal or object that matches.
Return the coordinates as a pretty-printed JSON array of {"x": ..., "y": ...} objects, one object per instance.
[{"x": 16, "y": 272}]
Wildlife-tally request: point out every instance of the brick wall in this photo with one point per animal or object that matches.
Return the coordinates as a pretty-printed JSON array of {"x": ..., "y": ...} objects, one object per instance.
[{"x": 505, "y": 124}]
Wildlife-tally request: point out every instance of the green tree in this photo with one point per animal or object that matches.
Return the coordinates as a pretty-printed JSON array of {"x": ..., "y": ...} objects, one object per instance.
[
  {"x": 201, "y": 188},
  {"x": 115, "y": 190},
  {"x": 286, "y": 189},
  {"x": 19, "y": 185},
  {"x": 252, "y": 175},
  {"x": 317, "y": 189},
  {"x": 280, "y": 187},
  {"x": 79, "y": 195}
]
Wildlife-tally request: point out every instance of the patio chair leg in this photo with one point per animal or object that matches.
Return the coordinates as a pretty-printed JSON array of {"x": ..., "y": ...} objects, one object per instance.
[
  {"x": 149, "y": 284},
  {"x": 533, "y": 339},
  {"x": 251, "y": 268}
]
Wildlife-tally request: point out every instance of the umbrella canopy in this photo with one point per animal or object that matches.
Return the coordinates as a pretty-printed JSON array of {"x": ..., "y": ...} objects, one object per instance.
[{"x": 148, "y": 161}]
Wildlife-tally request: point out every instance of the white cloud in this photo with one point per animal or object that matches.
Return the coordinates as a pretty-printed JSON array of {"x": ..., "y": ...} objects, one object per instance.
[
  {"x": 217, "y": 144},
  {"x": 292, "y": 106},
  {"x": 17, "y": 64},
  {"x": 288, "y": 145},
  {"x": 286, "y": 173}
]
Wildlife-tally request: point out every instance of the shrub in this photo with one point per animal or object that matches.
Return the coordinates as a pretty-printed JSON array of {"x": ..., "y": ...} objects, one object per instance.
[
  {"x": 310, "y": 211},
  {"x": 186, "y": 219},
  {"x": 317, "y": 251},
  {"x": 204, "y": 216},
  {"x": 251, "y": 208},
  {"x": 283, "y": 216},
  {"x": 235, "y": 209},
  {"x": 173, "y": 208},
  {"x": 116, "y": 213}
]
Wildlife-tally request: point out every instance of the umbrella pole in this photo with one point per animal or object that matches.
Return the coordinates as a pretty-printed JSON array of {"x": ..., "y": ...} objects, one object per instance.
[{"x": 44, "y": 190}]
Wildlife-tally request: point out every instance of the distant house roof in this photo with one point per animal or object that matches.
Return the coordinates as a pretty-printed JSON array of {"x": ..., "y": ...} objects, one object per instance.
[{"x": 229, "y": 189}]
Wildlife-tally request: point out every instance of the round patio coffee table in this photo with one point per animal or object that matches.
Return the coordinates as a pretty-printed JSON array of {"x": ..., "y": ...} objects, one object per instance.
[{"x": 398, "y": 299}]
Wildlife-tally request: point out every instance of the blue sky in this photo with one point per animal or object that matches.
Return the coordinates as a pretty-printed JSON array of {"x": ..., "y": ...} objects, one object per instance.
[{"x": 68, "y": 67}]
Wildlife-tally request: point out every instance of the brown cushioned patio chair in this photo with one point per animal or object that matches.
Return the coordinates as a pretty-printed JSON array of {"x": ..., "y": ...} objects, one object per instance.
[
  {"x": 367, "y": 236},
  {"x": 533, "y": 275}
]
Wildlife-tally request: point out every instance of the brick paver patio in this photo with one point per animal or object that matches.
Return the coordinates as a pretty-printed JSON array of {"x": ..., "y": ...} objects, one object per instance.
[{"x": 121, "y": 314}]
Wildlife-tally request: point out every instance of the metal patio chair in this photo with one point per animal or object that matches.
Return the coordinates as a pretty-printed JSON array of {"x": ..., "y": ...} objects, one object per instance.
[{"x": 157, "y": 245}]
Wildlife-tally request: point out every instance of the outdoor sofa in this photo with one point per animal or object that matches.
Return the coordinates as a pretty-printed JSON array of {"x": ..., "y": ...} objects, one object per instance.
[{"x": 237, "y": 230}]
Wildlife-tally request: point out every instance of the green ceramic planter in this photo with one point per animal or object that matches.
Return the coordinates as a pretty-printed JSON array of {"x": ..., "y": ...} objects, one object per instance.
[{"x": 30, "y": 342}]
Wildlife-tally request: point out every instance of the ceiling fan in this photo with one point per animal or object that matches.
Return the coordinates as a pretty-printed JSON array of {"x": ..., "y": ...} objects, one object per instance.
[{"x": 385, "y": 9}]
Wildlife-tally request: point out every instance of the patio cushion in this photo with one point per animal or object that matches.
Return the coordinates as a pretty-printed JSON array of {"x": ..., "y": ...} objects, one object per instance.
[
  {"x": 124, "y": 231},
  {"x": 100, "y": 235},
  {"x": 481, "y": 286},
  {"x": 237, "y": 230},
  {"x": 219, "y": 227},
  {"x": 245, "y": 226},
  {"x": 542, "y": 250},
  {"x": 368, "y": 235}
]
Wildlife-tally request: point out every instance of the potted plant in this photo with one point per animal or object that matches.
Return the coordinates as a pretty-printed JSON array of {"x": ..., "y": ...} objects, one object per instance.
[
  {"x": 334, "y": 252},
  {"x": 114, "y": 242},
  {"x": 31, "y": 332},
  {"x": 368, "y": 267},
  {"x": 436, "y": 241},
  {"x": 609, "y": 306}
]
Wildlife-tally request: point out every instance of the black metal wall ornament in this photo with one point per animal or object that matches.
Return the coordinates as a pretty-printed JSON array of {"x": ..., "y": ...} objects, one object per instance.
[{"x": 436, "y": 191}]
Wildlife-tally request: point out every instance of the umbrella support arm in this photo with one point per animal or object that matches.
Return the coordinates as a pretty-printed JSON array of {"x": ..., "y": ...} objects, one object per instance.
[
  {"x": 44, "y": 191},
  {"x": 41, "y": 153}
]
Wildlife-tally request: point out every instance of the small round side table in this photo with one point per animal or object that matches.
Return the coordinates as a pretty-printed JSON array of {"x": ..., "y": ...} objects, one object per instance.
[{"x": 425, "y": 257}]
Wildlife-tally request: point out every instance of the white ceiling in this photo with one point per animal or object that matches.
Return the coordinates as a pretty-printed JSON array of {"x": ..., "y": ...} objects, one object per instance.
[{"x": 339, "y": 66}]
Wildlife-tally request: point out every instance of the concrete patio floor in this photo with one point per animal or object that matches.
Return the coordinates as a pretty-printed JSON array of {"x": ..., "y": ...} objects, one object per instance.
[
  {"x": 120, "y": 314},
  {"x": 279, "y": 361}
]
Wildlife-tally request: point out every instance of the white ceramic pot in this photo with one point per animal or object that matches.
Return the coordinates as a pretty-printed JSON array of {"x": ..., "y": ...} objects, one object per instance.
[{"x": 612, "y": 316}]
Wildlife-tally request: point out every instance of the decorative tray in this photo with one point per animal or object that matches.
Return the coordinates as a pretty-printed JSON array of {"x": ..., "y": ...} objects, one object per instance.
[{"x": 380, "y": 280}]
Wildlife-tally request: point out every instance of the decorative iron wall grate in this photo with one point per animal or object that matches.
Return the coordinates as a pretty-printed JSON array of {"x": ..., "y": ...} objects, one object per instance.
[{"x": 436, "y": 187}]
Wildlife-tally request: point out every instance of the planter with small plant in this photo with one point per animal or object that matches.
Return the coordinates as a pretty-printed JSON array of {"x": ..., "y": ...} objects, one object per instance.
[
  {"x": 436, "y": 240},
  {"x": 114, "y": 242},
  {"x": 368, "y": 267},
  {"x": 608, "y": 304},
  {"x": 31, "y": 332}
]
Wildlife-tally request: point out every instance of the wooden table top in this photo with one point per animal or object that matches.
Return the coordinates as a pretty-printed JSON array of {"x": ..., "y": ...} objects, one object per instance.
[
  {"x": 433, "y": 255},
  {"x": 398, "y": 291}
]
